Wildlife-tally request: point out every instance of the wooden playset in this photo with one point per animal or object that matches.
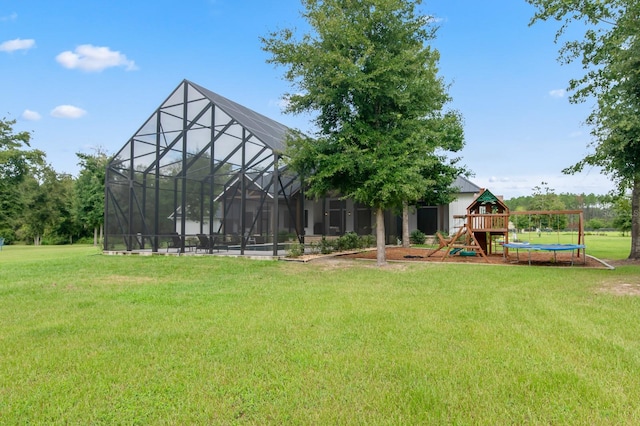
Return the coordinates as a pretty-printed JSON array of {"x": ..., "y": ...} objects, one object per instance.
[
  {"x": 485, "y": 228},
  {"x": 487, "y": 218}
]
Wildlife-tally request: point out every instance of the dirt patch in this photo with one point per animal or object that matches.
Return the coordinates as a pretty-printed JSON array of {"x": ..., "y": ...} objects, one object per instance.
[
  {"x": 347, "y": 261},
  {"x": 413, "y": 254},
  {"x": 624, "y": 262},
  {"x": 621, "y": 288}
]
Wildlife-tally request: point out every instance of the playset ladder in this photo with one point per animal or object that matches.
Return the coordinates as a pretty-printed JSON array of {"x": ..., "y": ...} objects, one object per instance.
[{"x": 471, "y": 243}]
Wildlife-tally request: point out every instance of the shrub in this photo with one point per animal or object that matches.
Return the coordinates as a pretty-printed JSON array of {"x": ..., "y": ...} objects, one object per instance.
[
  {"x": 417, "y": 237},
  {"x": 295, "y": 250},
  {"x": 348, "y": 241},
  {"x": 367, "y": 241},
  {"x": 8, "y": 235},
  {"x": 86, "y": 240},
  {"x": 313, "y": 248},
  {"x": 327, "y": 246}
]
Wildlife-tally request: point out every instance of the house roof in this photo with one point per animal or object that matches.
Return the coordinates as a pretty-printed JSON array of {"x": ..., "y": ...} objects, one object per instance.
[
  {"x": 270, "y": 132},
  {"x": 464, "y": 185}
]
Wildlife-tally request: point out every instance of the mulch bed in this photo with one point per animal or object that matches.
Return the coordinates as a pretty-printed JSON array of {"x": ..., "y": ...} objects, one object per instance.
[{"x": 544, "y": 258}]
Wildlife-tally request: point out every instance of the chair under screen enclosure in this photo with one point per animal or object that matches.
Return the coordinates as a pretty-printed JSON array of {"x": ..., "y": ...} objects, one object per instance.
[
  {"x": 209, "y": 243},
  {"x": 176, "y": 243}
]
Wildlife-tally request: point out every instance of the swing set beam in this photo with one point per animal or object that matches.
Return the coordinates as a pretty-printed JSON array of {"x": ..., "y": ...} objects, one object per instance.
[{"x": 579, "y": 213}]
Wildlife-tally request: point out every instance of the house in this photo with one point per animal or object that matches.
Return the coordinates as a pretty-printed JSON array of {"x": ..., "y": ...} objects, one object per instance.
[
  {"x": 202, "y": 164},
  {"x": 335, "y": 216}
]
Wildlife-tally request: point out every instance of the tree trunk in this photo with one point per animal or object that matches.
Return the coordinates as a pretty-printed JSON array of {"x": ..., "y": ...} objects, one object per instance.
[
  {"x": 95, "y": 236},
  {"x": 381, "y": 258},
  {"x": 635, "y": 219},
  {"x": 405, "y": 225}
]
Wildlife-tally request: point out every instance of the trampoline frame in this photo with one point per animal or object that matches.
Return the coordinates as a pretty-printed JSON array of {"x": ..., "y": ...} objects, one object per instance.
[{"x": 546, "y": 247}]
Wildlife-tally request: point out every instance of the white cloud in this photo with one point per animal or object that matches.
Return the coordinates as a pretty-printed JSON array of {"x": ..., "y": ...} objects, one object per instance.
[
  {"x": 91, "y": 58},
  {"x": 11, "y": 17},
  {"x": 30, "y": 115},
  {"x": 431, "y": 19},
  {"x": 281, "y": 104},
  {"x": 557, "y": 93},
  {"x": 67, "y": 111},
  {"x": 17, "y": 44},
  {"x": 589, "y": 181}
]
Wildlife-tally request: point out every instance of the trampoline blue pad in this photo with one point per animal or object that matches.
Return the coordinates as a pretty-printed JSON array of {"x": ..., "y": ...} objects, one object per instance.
[{"x": 547, "y": 247}]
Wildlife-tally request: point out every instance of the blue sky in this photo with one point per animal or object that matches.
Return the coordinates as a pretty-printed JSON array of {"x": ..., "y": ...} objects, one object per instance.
[{"x": 86, "y": 74}]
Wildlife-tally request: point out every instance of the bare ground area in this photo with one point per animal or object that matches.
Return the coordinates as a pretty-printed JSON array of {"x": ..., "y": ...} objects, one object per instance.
[
  {"x": 399, "y": 258},
  {"x": 544, "y": 258}
]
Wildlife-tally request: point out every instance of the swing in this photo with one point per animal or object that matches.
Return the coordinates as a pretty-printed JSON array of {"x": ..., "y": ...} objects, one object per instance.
[{"x": 571, "y": 227}]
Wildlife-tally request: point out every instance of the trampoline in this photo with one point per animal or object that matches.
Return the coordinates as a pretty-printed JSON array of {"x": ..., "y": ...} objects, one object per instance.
[{"x": 545, "y": 247}]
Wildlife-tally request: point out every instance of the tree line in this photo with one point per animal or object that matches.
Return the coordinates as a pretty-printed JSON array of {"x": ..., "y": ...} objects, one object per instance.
[
  {"x": 606, "y": 211},
  {"x": 41, "y": 206}
]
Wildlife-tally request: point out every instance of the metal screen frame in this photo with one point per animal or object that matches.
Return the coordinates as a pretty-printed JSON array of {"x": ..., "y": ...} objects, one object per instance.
[{"x": 202, "y": 165}]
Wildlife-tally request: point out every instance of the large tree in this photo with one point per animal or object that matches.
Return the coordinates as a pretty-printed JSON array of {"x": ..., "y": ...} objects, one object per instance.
[
  {"x": 48, "y": 199},
  {"x": 17, "y": 162},
  {"x": 610, "y": 54},
  {"x": 89, "y": 192},
  {"x": 368, "y": 75}
]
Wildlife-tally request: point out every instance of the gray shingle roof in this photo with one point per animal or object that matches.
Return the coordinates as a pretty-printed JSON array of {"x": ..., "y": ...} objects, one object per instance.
[{"x": 464, "y": 185}]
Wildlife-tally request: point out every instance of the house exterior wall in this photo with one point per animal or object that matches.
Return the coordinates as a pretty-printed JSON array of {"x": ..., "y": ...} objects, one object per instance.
[
  {"x": 319, "y": 215},
  {"x": 459, "y": 207},
  {"x": 413, "y": 219}
]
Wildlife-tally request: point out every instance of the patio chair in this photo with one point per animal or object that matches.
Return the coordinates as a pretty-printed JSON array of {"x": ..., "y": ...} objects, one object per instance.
[
  {"x": 176, "y": 243},
  {"x": 204, "y": 243},
  {"x": 250, "y": 239},
  {"x": 140, "y": 241}
]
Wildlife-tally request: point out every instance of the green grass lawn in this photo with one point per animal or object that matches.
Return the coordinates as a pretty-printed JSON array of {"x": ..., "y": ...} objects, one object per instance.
[{"x": 88, "y": 338}]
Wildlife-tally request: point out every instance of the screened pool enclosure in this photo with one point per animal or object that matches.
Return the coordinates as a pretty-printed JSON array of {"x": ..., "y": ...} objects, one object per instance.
[{"x": 203, "y": 174}]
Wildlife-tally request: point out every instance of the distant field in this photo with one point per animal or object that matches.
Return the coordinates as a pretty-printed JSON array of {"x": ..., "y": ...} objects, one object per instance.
[
  {"x": 91, "y": 339},
  {"x": 609, "y": 245}
]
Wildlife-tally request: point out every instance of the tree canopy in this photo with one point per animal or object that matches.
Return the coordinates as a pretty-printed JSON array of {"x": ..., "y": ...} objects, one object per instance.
[
  {"x": 610, "y": 55},
  {"x": 89, "y": 191},
  {"x": 18, "y": 163},
  {"x": 368, "y": 75},
  {"x": 38, "y": 204}
]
